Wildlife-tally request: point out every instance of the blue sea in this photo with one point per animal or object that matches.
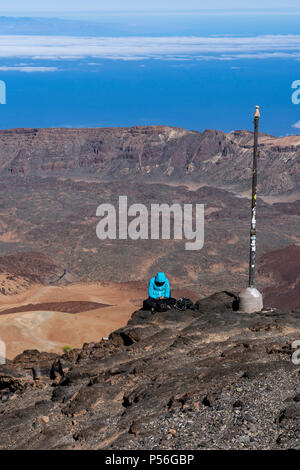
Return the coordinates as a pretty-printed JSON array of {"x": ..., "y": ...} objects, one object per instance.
[{"x": 160, "y": 72}]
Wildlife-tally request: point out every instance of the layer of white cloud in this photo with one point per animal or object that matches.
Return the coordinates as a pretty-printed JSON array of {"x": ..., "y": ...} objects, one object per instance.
[
  {"x": 28, "y": 69},
  {"x": 296, "y": 125},
  {"x": 135, "y": 48}
]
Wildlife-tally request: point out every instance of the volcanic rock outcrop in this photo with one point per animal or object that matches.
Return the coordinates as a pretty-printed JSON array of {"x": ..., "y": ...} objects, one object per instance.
[{"x": 210, "y": 378}]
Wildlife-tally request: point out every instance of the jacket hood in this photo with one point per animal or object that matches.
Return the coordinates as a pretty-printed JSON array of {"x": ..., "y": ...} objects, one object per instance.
[{"x": 160, "y": 277}]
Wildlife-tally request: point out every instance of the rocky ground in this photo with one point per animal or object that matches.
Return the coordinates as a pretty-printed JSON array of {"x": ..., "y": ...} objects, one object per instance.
[{"x": 212, "y": 378}]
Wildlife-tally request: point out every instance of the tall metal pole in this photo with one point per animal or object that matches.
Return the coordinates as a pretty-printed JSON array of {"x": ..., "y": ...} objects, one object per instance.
[
  {"x": 250, "y": 299},
  {"x": 252, "y": 259}
]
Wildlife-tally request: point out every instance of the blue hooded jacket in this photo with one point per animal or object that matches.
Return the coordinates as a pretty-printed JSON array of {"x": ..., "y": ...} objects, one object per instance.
[{"x": 159, "y": 291}]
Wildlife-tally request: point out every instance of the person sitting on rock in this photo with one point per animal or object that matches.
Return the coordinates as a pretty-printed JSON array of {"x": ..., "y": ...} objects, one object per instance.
[{"x": 159, "y": 294}]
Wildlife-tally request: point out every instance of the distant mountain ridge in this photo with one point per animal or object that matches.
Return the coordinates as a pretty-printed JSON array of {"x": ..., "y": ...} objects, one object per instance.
[
  {"x": 153, "y": 154},
  {"x": 52, "y": 26}
]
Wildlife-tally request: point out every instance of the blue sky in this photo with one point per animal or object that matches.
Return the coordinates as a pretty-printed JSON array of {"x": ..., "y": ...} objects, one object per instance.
[
  {"x": 131, "y": 5},
  {"x": 116, "y": 69}
]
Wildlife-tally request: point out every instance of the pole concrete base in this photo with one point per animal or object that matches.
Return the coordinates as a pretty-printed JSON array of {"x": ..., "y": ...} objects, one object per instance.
[{"x": 250, "y": 300}]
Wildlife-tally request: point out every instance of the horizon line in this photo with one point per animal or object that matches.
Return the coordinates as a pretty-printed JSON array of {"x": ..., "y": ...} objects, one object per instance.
[
  {"x": 88, "y": 127},
  {"x": 175, "y": 10}
]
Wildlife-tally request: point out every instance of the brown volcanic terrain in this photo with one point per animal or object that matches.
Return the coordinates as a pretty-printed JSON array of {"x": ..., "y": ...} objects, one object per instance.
[
  {"x": 49, "y": 317},
  {"x": 156, "y": 153},
  {"x": 58, "y": 218},
  {"x": 48, "y": 326},
  {"x": 68, "y": 307},
  {"x": 211, "y": 378},
  {"x": 282, "y": 268},
  {"x": 52, "y": 181},
  {"x": 21, "y": 270}
]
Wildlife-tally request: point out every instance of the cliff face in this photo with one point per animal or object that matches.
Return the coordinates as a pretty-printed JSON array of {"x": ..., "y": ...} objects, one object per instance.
[
  {"x": 152, "y": 154},
  {"x": 212, "y": 378}
]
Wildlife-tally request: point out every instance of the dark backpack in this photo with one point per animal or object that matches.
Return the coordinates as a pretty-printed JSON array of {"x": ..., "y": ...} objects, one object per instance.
[
  {"x": 184, "y": 304},
  {"x": 161, "y": 305}
]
